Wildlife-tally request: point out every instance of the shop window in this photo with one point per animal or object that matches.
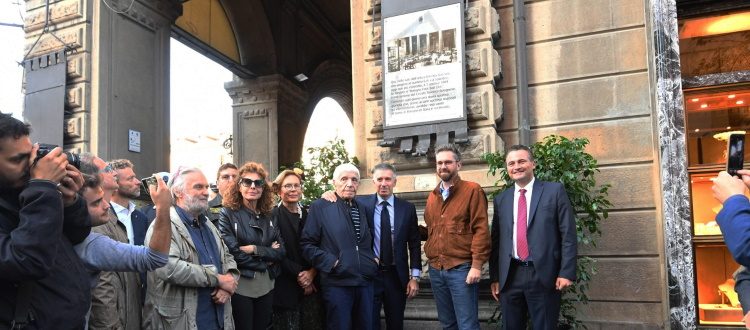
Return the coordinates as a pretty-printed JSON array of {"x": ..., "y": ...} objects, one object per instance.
[{"x": 711, "y": 115}]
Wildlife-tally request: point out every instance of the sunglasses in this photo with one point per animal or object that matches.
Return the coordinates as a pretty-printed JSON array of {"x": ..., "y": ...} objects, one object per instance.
[{"x": 247, "y": 183}]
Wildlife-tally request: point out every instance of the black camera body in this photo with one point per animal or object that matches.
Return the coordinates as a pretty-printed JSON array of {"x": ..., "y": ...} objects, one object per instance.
[{"x": 44, "y": 149}]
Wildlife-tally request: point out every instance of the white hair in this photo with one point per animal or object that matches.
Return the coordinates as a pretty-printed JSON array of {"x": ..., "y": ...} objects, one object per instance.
[
  {"x": 177, "y": 181},
  {"x": 347, "y": 167}
]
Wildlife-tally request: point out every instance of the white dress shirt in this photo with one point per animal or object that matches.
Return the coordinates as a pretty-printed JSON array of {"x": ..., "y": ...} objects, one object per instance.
[{"x": 123, "y": 215}]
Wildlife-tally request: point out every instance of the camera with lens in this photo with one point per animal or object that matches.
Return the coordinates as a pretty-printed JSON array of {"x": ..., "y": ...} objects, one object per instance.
[{"x": 44, "y": 149}]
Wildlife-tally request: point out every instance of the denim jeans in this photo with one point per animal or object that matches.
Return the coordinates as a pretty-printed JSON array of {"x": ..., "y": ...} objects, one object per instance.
[{"x": 457, "y": 302}]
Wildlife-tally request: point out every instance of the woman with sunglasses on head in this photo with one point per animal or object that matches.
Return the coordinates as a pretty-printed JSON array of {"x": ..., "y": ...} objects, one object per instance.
[
  {"x": 256, "y": 244},
  {"x": 297, "y": 304}
]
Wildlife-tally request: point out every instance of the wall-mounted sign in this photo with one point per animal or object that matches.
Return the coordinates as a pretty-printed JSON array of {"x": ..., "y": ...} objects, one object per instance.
[
  {"x": 424, "y": 83},
  {"x": 134, "y": 140}
]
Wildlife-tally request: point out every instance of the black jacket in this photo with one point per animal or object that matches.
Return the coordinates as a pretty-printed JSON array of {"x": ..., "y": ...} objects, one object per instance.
[
  {"x": 287, "y": 293},
  {"x": 329, "y": 236},
  {"x": 243, "y": 227},
  {"x": 36, "y": 244}
]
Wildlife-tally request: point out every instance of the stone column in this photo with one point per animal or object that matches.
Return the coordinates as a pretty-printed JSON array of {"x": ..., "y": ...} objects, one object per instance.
[
  {"x": 264, "y": 112},
  {"x": 117, "y": 74}
]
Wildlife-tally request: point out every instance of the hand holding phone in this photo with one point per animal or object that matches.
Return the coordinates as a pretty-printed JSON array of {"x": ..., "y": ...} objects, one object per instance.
[{"x": 735, "y": 153}]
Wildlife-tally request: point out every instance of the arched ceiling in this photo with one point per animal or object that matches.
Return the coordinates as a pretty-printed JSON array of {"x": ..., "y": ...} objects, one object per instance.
[{"x": 260, "y": 37}]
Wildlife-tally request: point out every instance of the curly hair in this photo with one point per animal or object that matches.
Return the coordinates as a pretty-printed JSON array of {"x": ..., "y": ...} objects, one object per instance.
[{"x": 234, "y": 198}]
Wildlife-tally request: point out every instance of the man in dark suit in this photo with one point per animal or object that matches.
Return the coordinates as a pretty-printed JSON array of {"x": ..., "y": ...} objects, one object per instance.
[
  {"x": 533, "y": 245},
  {"x": 337, "y": 241},
  {"x": 394, "y": 226}
]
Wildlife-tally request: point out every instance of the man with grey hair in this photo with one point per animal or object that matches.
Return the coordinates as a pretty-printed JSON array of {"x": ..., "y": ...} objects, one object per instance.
[
  {"x": 396, "y": 244},
  {"x": 193, "y": 290},
  {"x": 337, "y": 241}
]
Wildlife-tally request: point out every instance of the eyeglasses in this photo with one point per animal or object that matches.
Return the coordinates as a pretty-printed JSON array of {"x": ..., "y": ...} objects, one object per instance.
[
  {"x": 290, "y": 186},
  {"x": 247, "y": 183},
  {"x": 107, "y": 169}
]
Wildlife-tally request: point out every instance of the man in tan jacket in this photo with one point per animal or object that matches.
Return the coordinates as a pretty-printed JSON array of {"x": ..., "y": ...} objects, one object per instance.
[
  {"x": 457, "y": 243},
  {"x": 193, "y": 290}
]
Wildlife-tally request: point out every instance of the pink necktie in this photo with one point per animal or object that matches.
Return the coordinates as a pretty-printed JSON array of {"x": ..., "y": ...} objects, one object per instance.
[{"x": 521, "y": 244}]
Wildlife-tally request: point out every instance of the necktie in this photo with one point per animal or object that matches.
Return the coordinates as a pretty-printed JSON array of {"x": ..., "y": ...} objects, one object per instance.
[
  {"x": 522, "y": 245},
  {"x": 355, "y": 220},
  {"x": 386, "y": 245}
]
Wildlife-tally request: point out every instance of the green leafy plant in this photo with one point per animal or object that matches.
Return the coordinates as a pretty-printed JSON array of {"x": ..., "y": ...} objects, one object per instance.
[
  {"x": 559, "y": 159},
  {"x": 320, "y": 170}
]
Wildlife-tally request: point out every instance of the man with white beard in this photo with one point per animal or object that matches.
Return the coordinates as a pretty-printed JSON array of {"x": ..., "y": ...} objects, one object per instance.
[{"x": 193, "y": 290}]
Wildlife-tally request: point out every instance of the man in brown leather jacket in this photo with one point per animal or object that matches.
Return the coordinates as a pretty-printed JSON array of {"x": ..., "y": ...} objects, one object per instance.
[{"x": 457, "y": 243}]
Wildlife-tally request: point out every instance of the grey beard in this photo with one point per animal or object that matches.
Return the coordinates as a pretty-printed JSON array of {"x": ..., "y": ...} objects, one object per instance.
[{"x": 195, "y": 205}]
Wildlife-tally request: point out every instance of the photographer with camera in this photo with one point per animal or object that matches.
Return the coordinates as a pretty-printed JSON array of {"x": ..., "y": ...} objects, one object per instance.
[{"x": 43, "y": 283}]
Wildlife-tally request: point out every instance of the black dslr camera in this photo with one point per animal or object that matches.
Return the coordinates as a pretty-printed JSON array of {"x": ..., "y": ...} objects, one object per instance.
[{"x": 44, "y": 149}]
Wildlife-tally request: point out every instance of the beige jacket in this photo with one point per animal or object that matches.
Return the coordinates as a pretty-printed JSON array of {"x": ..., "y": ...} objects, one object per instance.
[
  {"x": 171, "y": 297},
  {"x": 116, "y": 300}
]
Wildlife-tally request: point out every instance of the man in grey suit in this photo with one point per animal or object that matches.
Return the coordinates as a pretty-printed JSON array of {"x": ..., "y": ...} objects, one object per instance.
[{"x": 533, "y": 245}]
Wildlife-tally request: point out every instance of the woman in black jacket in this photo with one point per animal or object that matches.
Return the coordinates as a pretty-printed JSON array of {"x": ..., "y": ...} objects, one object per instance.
[
  {"x": 247, "y": 230},
  {"x": 297, "y": 304}
]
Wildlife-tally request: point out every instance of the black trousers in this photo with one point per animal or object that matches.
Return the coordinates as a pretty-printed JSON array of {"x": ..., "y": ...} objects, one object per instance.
[
  {"x": 252, "y": 313},
  {"x": 391, "y": 296},
  {"x": 524, "y": 294}
]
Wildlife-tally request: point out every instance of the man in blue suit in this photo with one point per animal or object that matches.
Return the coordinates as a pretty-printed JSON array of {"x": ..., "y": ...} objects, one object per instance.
[
  {"x": 534, "y": 247},
  {"x": 337, "y": 241},
  {"x": 395, "y": 280}
]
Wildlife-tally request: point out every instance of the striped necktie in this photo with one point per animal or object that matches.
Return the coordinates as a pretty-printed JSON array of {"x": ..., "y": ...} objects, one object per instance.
[{"x": 355, "y": 219}]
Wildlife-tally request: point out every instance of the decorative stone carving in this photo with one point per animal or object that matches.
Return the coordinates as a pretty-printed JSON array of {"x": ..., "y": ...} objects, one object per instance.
[
  {"x": 72, "y": 38},
  {"x": 376, "y": 79},
  {"x": 260, "y": 112},
  {"x": 75, "y": 128},
  {"x": 59, "y": 13},
  {"x": 75, "y": 67},
  {"x": 482, "y": 61},
  {"x": 374, "y": 7},
  {"x": 74, "y": 97},
  {"x": 376, "y": 37}
]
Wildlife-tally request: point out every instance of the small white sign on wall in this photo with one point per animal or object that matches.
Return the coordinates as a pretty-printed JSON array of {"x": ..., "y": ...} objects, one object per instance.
[{"x": 134, "y": 140}]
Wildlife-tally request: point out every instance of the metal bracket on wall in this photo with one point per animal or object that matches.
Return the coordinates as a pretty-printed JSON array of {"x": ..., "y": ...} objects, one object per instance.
[{"x": 44, "y": 103}]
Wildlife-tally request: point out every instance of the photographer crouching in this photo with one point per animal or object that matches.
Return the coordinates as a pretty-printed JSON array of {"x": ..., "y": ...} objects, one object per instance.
[{"x": 43, "y": 283}]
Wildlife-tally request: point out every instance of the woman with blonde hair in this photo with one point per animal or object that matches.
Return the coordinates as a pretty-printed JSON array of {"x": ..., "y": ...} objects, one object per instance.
[
  {"x": 297, "y": 305},
  {"x": 246, "y": 226}
]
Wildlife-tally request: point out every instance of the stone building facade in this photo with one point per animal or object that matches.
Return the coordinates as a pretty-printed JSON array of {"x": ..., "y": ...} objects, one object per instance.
[{"x": 607, "y": 70}]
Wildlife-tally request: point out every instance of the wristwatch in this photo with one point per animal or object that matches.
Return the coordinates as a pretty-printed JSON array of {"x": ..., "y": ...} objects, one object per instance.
[{"x": 416, "y": 278}]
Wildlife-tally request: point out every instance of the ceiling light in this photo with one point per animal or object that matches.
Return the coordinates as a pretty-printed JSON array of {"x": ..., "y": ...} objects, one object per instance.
[
  {"x": 697, "y": 130},
  {"x": 694, "y": 99},
  {"x": 740, "y": 102},
  {"x": 731, "y": 96},
  {"x": 300, "y": 77},
  {"x": 703, "y": 106}
]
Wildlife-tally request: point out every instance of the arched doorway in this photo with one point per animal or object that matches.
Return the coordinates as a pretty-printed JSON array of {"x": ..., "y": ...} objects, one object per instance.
[{"x": 328, "y": 122}]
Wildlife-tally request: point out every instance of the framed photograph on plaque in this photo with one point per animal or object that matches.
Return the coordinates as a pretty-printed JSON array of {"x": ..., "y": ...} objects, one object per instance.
[{"x": 423, "y": 70}]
